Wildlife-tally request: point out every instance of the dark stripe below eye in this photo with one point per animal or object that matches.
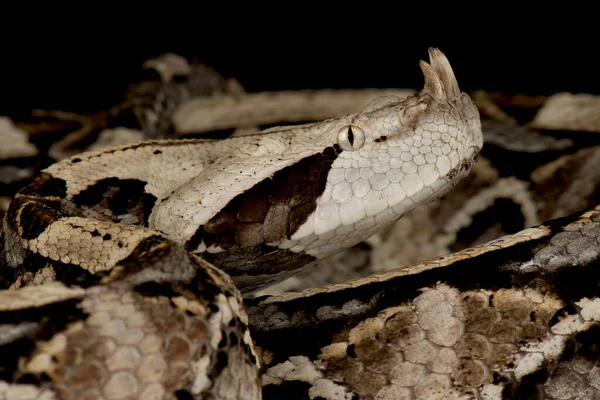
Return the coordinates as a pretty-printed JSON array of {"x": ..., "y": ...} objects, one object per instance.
[
  {"x": 121, "y": 196},
  {"x": 271, "y": 210},
  {"x": 45, "y": 185}
]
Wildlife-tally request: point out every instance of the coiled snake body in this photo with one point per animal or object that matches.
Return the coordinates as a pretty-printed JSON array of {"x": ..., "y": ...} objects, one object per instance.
[
  {"x": 114, "y": 245},
  {"x": 123, "y": 268}
]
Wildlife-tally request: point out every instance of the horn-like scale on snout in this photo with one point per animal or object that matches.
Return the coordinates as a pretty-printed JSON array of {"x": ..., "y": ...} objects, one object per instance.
[{"x": 440, "y": 81}]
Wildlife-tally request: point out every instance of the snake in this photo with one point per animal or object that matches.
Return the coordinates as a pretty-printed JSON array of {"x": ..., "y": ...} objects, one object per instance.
[{"x": 128, "y": 272}]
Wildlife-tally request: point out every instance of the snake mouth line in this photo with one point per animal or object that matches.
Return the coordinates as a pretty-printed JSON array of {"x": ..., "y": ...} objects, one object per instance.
[
  {"x": 465, "y": 165},
  {"x": 473, "y": 153}
]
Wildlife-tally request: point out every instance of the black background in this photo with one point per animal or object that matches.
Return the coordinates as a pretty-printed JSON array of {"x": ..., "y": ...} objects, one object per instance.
[{"x": 81, "y": 60}]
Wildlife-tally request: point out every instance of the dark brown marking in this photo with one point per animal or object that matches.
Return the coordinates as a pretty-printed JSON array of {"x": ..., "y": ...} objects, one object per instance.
[
  {"x": 453, "y": 172},
  {"x": 559, "y": 315},
  {"x": 290, "y": 390},
  {"x": 350, "y": 351},
  {"x": 299, "y": 214},
  {"x": 120, "y": 196},
  {"x": 276, "y": 218},
  {"x": 465, "y": 165},
  {"x": 245, "y": 346},
  {"x": 590, "y": 338},
  {"x": 298, "y": 175},
  {"x": 45, "y": 185},
  {"x": 582, "y": 348},
  {"x": 330, "y": 153},
  {"x": 272, "y": 210},
  {"x": 149, "y": 252},
  {"x": 74, "y": 275},
  {"x": 222, "y": 361},
  {"x": 202, "y": 287},
  {"x": 233, "y": 338},
  {"x": 224, "y": 223},
  {"x": 183, "y": 394},
  {"x": 47, "y": 321},
  {"x": 254, "y": 209},
  {"x": 31, "y": 216},
  {"x": 281, "y": 193},
  {"x": 249, "y": 233},
  {"x": 226, "y": 239},
  {"x": 69, "y": 274},
  {"x": 302, "y": 193},
  {"x": 487, "y": 219}
]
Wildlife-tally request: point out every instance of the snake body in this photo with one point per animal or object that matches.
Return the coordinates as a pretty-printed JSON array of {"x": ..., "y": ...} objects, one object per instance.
[
  {"x": 503, "y": 317},
  {"x": 123, "y": 267},
  {"x": 514, "y": 318}
]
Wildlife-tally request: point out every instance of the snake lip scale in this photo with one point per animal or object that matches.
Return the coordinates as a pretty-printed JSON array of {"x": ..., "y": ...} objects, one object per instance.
[{"x": 123, "y": 268}]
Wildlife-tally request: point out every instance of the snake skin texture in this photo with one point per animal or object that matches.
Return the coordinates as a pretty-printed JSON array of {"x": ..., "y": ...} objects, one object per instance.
[
  {"x": 515, "y": 318},
  {"x": 139, "y": 252}
]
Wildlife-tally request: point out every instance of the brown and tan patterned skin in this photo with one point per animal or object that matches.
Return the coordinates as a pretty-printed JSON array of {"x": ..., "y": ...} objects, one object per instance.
[
  {"x": 515, "y": 318},
  {"x": 147, "y": 340},
  {"x": 132, "y": 230}
]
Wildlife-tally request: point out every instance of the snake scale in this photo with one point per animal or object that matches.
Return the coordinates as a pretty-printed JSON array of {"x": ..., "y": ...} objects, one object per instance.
[{"x": 128, "y": 272}]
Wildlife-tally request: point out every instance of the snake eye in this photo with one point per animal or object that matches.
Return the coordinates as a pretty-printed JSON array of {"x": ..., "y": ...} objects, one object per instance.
[{"x": 351, "y": 137}]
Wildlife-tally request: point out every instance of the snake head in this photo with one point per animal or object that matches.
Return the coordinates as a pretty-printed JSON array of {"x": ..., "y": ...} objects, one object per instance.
[
  {"x": 276, "y": 201},
  {"x": 396, "y": 154}
]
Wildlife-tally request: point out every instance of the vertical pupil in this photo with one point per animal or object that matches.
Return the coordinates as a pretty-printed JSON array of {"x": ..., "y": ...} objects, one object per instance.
[{"x": 350, "y": 136}]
